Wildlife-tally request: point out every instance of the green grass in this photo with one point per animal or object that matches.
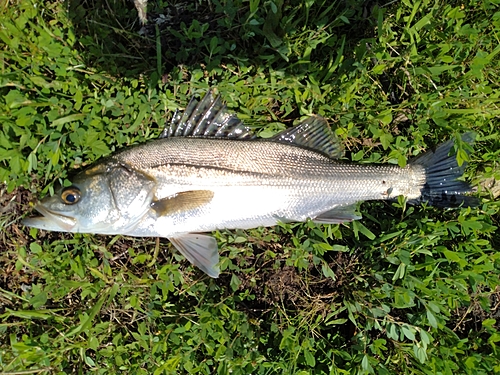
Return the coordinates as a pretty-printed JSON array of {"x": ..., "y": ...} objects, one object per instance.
[{"x": 408, "y": 289}]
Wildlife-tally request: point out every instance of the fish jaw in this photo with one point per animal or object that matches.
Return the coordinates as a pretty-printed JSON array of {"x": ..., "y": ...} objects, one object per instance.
[{"x": 50, "y": 221}]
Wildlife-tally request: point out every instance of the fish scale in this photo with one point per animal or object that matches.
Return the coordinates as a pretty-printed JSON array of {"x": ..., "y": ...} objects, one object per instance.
[{"x": 253, "y": 163}]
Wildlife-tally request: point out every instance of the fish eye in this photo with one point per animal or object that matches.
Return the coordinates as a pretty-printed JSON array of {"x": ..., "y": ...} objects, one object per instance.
[{"x": 70, "y": 195}]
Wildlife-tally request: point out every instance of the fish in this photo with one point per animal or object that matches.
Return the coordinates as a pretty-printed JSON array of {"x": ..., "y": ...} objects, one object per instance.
[{"x": 208, "y": 171}]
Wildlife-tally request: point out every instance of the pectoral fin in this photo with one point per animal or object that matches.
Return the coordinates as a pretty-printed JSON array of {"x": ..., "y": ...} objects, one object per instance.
[
  {"x": 338, "y": 215},
  {"x": 200, "y": 250},
  {"x": 183, "y": 201}
]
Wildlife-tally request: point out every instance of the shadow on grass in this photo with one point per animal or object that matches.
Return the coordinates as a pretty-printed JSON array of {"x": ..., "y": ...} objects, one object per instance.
[{"x": 212, "y": 34}]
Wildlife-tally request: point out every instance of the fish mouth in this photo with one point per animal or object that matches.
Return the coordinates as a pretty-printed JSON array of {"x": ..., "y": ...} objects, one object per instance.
[{"x": 50, "y": 221}]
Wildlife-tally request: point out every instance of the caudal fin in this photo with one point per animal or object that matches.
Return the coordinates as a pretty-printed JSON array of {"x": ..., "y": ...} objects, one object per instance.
[{"x": 442, "y": 189}]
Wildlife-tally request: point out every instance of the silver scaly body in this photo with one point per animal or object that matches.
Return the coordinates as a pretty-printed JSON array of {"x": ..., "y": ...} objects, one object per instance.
[{"x": 257, "y": 183}]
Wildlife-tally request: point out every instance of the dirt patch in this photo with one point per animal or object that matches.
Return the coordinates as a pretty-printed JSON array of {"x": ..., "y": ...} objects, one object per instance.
[
  {"x": 13, "y": 277},
  {"x": 483, "y": 305}
]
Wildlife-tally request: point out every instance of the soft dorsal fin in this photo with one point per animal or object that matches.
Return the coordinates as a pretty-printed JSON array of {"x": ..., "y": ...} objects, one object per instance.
[
  {"x": 208, "y": 118},
  {"x": 313, "y": 133}
]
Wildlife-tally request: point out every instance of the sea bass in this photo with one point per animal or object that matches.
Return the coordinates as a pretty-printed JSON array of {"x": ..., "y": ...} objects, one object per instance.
[{"x": 207, "y": 171}]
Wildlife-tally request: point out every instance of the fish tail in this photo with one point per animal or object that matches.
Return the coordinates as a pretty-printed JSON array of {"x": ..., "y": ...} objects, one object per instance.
[{"x": 442, "y": 187}]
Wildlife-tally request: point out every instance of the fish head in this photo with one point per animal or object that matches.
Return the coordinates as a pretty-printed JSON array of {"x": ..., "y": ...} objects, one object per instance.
[{"x": 109, "y": 198}]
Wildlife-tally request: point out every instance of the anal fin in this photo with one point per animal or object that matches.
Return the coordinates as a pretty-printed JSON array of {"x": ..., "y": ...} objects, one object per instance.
[
  {"x": 338, "y": 215},
  {"x": 201, "y": 250}
]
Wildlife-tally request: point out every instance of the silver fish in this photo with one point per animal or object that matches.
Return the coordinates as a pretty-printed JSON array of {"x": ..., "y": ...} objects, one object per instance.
[{"x": 208, "y": 171}]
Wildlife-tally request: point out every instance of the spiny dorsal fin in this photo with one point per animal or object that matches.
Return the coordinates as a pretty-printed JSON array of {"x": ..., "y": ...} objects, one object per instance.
[
  {"x": 313, "y": 133},
  {"x": 207, "y": 118}
]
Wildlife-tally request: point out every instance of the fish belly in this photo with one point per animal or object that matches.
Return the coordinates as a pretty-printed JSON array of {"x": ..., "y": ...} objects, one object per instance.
[{"x": 245, "y": 207}]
